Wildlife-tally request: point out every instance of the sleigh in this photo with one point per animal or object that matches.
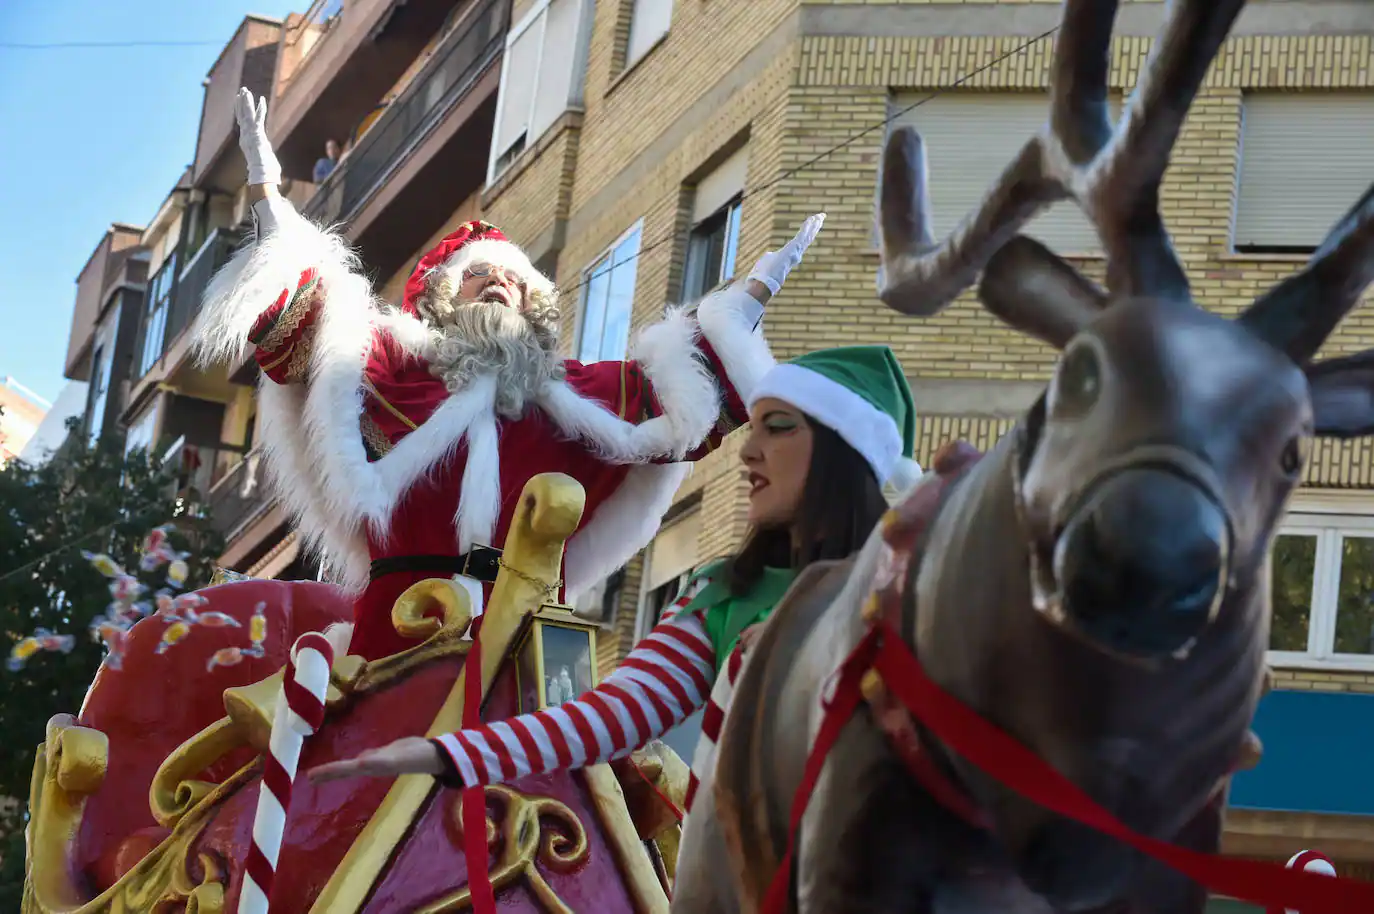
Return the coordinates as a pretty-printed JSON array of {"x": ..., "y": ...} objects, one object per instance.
[{"x": 146, "y": 800}]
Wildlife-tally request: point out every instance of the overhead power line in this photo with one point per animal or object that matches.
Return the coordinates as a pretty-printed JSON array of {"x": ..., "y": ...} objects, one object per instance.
[
  {"x": 849, "y": 141},
  {"x": 54, "y": 45}
]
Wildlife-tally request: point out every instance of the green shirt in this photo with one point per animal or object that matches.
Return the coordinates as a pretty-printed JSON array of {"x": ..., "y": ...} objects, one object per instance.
[{"x": 725, "y": 615}]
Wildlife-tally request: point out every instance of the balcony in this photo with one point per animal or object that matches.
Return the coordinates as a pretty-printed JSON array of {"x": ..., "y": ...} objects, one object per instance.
[
  {"x": 236, "y": 498},
  {"x": 198, "y": 470},
  {"x": 469, "y": 50},
  {"x": 248, "y": 60},
  {"x": 114, "y": 261},
  {"x": 195, "y": 276},
  {"x": 335, "y": 62},
  {"x": 427, "y": 151}
]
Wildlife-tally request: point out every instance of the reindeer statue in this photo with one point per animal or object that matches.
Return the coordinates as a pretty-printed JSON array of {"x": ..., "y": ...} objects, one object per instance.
[{"x": 1095, "y": 586}]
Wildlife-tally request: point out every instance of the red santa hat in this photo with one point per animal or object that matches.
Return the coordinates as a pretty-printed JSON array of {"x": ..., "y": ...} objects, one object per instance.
[{"x": 474, "y": 242}]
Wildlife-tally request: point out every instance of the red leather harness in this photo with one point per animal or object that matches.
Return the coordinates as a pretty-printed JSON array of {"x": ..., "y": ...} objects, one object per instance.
[{"x": 884, "y": 671}]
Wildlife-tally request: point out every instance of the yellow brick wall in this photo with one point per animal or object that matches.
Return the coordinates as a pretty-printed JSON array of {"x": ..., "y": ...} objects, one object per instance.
[
  {"x": 843, "y": 87},
  {"x": 820, "y": 92},
  {"x": 392, "y": 290},
  {"x": 537, "y": 188}
]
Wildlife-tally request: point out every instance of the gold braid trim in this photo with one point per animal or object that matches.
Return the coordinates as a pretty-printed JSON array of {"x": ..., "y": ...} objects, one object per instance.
[
  {"x": 374, "y": 437},
  {"x": 296, "y": 311}
]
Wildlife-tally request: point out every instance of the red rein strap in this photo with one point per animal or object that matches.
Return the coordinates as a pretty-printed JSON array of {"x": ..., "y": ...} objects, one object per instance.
[
  {"x": 475, "y": 798},
  {"x": 1003, "y": 758},
  {"x": 667, "y": 800}
]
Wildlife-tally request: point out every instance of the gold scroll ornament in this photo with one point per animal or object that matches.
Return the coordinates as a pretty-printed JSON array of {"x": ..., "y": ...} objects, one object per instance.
[{"x": 524, "y": 843}]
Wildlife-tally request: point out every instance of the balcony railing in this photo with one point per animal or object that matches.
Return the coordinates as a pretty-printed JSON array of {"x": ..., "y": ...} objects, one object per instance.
[
  {"x": 238, "y": 496},
  {"x": 213, "y": 254},
  {"x": 457, "y": 63},
  {"x": 197, "y": 471}
]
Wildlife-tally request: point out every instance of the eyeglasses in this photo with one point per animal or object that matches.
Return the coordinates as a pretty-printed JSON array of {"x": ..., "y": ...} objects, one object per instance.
[{"x": 483, "y": 270}]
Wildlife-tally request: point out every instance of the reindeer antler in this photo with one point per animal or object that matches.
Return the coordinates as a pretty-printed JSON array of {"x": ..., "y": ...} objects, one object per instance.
[
  {"x": 1113, "y": 175},
  {"x": 1299, "y": 313}
]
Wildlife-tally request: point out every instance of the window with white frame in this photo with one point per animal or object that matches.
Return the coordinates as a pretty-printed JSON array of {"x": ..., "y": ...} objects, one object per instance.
[
  {"x": 970, "y": 139},
  {"x": 1322, "y": 586},
  {"x": 102, "y": 367},
  {"x": 1304, "y": 161},
  {"x": 158, "y": 301},
  {"x": 668, "y": 563},
  {"x": 649, "y": 21},
  {"x": 608, "y": 296},
  {"x": 141, "y": 431},
  {"x": 598, "y": 602},
  {"x": 541, "y": 76},
  {"x": 714, "y": 239}
]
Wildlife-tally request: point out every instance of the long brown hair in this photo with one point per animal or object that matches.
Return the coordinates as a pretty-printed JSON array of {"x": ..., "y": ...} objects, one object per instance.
[{"x": 841, "y": 503}]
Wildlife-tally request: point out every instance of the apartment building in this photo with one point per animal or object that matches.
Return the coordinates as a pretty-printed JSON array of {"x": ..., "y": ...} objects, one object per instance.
[
  {"x": 21, "y": 414},
  {"x": 704, "y": 133},
  {"x": 644, "y": 151}
]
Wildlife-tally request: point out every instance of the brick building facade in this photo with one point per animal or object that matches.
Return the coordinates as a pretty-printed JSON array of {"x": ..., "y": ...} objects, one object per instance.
[{"x": 1272, "y": 154}]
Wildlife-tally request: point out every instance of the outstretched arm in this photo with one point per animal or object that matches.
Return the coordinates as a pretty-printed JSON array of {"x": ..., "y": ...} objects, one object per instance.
[
  {"x": 662, "y": 682},
  {"x": 268, "y": 298}
]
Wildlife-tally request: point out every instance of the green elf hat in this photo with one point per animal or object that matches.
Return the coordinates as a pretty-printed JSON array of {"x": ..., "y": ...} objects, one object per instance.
[{"x": 862, "y": 394}]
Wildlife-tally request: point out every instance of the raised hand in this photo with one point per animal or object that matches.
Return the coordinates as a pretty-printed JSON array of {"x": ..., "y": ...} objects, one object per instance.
[
  {"x": 251, "y": 114},
  {"x": 773, "y": 267},
  {"x": 412, "y": 755}
]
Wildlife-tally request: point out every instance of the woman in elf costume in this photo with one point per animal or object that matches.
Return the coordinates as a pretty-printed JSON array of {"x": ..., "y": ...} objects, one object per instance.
[{"x": 828, "y": 432}]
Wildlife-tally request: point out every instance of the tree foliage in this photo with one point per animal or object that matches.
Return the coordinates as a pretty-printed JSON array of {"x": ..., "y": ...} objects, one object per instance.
[{"x": 86, "y": 499}]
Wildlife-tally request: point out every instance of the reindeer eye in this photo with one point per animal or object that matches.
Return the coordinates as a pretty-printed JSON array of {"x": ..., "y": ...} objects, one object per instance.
[
  {"x": 1078, "y": 381},
  {"x": 1293, "y": 456}
]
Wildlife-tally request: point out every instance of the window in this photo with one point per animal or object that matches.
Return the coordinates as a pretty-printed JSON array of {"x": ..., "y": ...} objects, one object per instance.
[
  {"x": 598, "y": 603},
  {"x": 1322, "y": 586},
  {"x": 669, "y": 562},
  {"x": 100, "y": 385},
  {"x": 970, "y": 138},
  {"x": 714, "y": 240},
  {"x": 1304, "y": 161},
  {"x": 608, "y": 301},
  {"x": 141, "y": 430},
  {"x": 541, "y": 76},
  {"x": 158, "y": 300},
  {"x": 649, "y": 21}
]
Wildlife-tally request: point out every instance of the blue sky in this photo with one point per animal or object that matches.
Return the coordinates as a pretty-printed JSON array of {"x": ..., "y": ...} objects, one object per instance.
[{"x": 91, "y": 136}]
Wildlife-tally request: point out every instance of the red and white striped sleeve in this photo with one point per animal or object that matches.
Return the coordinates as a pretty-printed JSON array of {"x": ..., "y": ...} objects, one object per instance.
[{"x": 663, "y": 681}]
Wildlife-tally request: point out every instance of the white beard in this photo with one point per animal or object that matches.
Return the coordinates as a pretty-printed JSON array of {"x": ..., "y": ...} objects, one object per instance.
[{"x": 490, "y": 338}]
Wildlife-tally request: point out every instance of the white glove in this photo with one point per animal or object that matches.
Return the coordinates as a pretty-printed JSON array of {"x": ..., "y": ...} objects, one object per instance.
[
  {"x": 773, "y": 267},
  {"x": 263, "y": 167}
]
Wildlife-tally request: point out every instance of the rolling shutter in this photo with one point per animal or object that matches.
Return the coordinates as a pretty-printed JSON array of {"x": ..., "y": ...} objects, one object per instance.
[
  {"x": 970, "y": 139},
  {"x": 1304, "y": 161}
]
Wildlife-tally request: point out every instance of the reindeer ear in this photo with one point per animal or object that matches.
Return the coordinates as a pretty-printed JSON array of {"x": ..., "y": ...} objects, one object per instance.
[
  {"x": 1343, "y": 396},
  {"x": 1034, "y": 290}
]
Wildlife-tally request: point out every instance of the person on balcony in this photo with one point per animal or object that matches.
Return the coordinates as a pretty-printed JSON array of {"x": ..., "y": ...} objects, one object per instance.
[
  {"x": 830, "y": 435},
  {"x": 400, "y": 439},
  {"x": 325, "y": 166}
]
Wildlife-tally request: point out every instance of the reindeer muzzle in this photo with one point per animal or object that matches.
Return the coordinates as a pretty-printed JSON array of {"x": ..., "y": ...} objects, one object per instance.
[{"x": 1142, "y": 560}]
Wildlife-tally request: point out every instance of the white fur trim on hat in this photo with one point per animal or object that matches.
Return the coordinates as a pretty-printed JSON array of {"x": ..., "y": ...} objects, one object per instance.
[
  {"x": 501, "y": 254},
  {"x": 867, "y": 429}
]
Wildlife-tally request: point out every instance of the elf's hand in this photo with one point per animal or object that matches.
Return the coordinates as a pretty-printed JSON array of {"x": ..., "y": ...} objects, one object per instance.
[
  {"x": 749, "y": 636},
  {"x": 772, "y": 268},
  {"x": 412, "y": 755},
  {"x": 263, "y": 167}
]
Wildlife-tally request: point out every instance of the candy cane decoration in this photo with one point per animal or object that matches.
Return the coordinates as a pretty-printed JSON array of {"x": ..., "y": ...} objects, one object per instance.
[
  {"x": 1309, "y": 862},
  {"x": 299, "y": 713}
]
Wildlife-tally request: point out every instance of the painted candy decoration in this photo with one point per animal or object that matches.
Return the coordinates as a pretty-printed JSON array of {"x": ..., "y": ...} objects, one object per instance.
[
  {"x": 174, "y": 633},
  {"x": 103, "y": 564},
  {"x": 41, "y": 640},
  {"x": 257, "y": 634}
]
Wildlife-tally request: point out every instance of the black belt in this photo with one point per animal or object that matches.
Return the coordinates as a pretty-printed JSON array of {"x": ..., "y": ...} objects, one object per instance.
[{"x": 480, "y": 562}]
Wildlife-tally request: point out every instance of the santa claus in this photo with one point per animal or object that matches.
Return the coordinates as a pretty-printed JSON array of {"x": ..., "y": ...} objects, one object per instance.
[{"x": 399, "y": 439}]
